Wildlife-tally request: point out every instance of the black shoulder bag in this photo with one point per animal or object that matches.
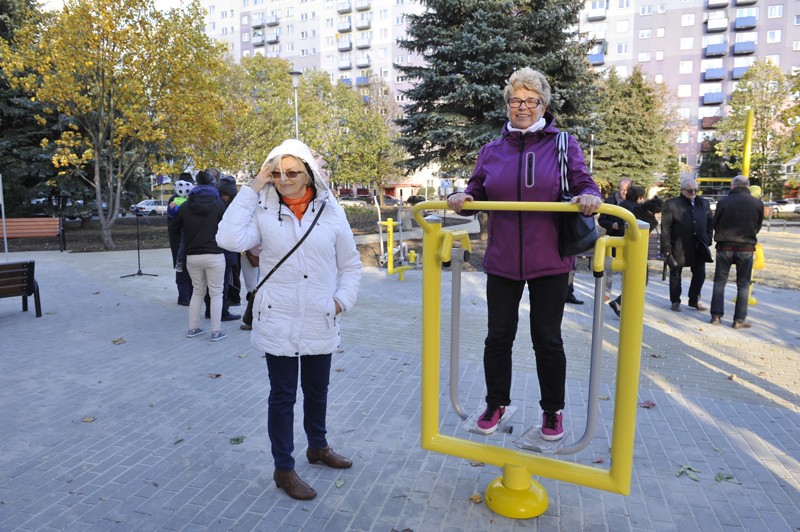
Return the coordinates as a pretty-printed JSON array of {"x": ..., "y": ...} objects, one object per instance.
[
  {"x": 576, "y": 233},
  {"x": 247, "y": 318}
]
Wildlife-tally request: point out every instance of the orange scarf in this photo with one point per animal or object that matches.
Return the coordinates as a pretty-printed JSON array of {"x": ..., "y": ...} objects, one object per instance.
[{"x": 299, "y": 205}]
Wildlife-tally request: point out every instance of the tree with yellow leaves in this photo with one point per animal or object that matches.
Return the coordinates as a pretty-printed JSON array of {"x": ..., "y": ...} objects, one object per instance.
[{"x": 139, "y": 87}]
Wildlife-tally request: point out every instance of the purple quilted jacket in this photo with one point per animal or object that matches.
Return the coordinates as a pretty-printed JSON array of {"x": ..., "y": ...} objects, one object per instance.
[{"x": 524, "y": 167}]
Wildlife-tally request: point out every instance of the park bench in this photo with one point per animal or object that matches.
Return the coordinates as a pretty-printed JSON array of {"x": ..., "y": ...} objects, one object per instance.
[
  {"x": 17, "y": 280},
  {"x": 653, "y": 253},
  {"x": 43, "y": 227}
]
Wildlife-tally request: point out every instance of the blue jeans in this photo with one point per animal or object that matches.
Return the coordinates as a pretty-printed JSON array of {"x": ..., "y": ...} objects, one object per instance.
[
  {"x": 315, "y": 373},
  {"x": 744, "y": 270},
  {"x": 547, "y": 299}
]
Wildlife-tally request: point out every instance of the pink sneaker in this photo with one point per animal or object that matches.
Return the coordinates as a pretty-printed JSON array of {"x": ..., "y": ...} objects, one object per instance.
[
  {"x": 488, "y": 421},
  {"x": 552, "y": 429}
]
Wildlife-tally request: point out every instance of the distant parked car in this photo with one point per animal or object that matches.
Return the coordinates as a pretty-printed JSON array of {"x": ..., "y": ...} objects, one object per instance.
[
  {"x": 413, "y": 200},
  {"x": 150, "y": 206},
  {"x": 784, "y": 206},
  {"x": 352, "y": 201},
  {"x": 390, "y": 201}
]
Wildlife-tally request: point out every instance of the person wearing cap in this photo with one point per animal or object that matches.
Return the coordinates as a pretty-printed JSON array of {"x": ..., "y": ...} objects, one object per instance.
[{"x": 297, "y": 311}]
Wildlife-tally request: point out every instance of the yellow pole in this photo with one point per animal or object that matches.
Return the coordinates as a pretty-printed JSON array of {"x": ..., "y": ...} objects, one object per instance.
[{"x": 748, "y": 143}]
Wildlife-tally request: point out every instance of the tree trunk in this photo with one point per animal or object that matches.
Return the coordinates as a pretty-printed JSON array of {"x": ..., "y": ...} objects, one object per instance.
[{"x": 105, "y": 233}]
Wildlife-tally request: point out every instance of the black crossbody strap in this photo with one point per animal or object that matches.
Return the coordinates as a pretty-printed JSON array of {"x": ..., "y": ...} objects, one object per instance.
[
  {"x": 313, "y": 223},
  {"x": 561, "y": 143}
]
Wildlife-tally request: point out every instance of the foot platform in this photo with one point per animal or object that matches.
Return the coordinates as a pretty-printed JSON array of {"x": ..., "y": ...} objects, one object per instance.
[{"x": 531, "y": 440}]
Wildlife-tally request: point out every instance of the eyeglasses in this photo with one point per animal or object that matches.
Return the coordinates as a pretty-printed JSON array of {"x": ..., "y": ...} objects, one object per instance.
[
  {"x": 530, "y": 103},
  {"x": 691, "y": 190},
  {"x": 291, "y": 174}
]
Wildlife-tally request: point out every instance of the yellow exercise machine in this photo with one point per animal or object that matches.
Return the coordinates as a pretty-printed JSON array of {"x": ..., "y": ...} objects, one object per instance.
[{"x": 515, "y": 494}]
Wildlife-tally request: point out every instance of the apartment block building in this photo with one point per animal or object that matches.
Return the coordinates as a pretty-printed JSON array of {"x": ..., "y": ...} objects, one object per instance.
[{"x": 698, "y": 48}]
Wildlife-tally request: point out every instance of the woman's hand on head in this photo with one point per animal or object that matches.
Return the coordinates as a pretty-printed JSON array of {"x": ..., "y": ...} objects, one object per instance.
[
  {"x": 263, "y": 178},
  {"x": 588, "y": 203},
  {"x": 456, "y": 201}
]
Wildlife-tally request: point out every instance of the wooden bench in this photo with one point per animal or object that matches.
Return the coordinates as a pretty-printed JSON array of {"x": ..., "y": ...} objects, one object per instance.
[
  {"x": 17, "y": 280},
  {"x": 34, "y": 228},
  {"x": 653, "y": 252}
]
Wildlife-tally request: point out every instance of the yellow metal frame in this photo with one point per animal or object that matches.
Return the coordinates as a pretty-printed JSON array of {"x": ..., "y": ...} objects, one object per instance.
[
  {"x": 412, "y": 256},
  {"x": 511, "y": 495}
]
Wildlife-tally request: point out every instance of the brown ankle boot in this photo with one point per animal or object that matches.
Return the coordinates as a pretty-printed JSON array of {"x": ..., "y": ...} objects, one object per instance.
[
  {"x": 293, "y": 485},
  {"x": 328, "y": 457}
]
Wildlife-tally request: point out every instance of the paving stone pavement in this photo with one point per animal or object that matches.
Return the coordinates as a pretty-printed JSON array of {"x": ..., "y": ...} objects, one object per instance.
[{"x": 110, "y": 418}]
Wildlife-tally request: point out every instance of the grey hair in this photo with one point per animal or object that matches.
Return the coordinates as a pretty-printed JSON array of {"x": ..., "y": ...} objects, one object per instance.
[
  {"x": 528, "y": 78},
  {"x": 740, "y": 181},
  {"x": 687, "y": 181}
]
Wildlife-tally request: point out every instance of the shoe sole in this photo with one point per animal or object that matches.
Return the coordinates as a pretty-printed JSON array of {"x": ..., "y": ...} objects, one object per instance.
[
  {"x": 195, "y": 334},
  {"x": 557, "y": 437},
  {"x": 219, "y": 338}
]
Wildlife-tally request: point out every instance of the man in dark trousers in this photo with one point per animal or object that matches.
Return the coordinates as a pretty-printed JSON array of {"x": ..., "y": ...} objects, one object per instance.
[
  {"x": 736, "y": 223},
  {"x": 614, "y": 227},
  {"x": 686, "y": 231}
]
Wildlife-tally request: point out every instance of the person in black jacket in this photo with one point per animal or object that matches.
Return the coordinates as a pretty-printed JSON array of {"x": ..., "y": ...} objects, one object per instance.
[
  {"x": 643, "y": 210},
  {"x": 614, "y": 227},
  {"x": 205, "y": 261},
  {"x": 686, "y": 231},
  {"x": 736, "y": 223}
]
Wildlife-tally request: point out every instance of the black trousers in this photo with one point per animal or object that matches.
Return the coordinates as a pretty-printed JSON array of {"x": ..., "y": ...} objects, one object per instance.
[
  {"x": 547, "y": 299},
  {"x": 698, "y": 278}
]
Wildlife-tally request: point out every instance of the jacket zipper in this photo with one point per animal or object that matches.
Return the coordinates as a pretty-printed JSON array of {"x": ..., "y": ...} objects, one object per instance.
[{"x": 519, "y": 198}]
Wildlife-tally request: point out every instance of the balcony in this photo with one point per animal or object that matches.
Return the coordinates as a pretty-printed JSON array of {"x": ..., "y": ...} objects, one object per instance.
[
  {"x": 745, "y": 2},
  {"x": 363, "y": 24},
  {"x": 272, "y": 20},
  {"x": 257, "y": 25},
  {"x": 363, "y": 43},
  {"x": 362, "y": 61},
  {"x": 273, "y": 38},
  {"x": 347, "y": 82},
  {"x": 345, "y": 45},
  {"x": 713, "y": 4},
  {"x": 716, "y": 50},
  {"x": 363, "y": 5},
  {"x": 710, "y": 122},
  {"x": 744, "y": 23},
  {"x": 713, "y": 98},
  {"x": 738, "y": 72},
  {"x": 716, "y": 24},
  {"x": 744, "y": 48},
  {"x": 345, "y": 65},
  {"x": 714, "y": 74},
  {"x": 344, "y": 27},
  {"x": 597, "y": 59},
  {"x": 273, "y": 54},
  {"x": 596, "y": 14},
  {"x": 257, "y": 41},
  {"x": 344, "y": 7},
  {"x": 362, "y": 81}
]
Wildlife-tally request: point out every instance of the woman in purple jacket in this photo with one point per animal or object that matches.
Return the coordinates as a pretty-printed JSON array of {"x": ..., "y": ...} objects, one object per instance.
[{"x": 522, "y": 165}]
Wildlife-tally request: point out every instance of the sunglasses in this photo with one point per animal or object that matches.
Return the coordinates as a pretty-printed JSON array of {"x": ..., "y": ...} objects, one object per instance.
[
  {"x": 691, "y": 190},
  {"x": 291, "y": 174}
]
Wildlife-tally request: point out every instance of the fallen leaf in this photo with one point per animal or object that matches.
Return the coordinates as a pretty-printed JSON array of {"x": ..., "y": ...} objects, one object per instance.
[
  {"x": 731, "y": 377},
  {"x": 604, "y": 398},
  {"x": 598, "y": 460},
  {"x": 243, "y": 356},
  {"x": 727, "y": 477},
  {"x": 475, "y": 498},
  {"x": 236, "y": 440},
  {"x": 340, "y": 483},
  {"x": 215, "y": 375},
  {"x": 339, "y": 370},
  {"x": 176, "y": 442},
  {"x": 88, "y": 419},
  {"x": 117, "y": 341},
  {"x": 647, "y": 404},
  {"x": 689, "y": 470},
  {"x": 656, "y": 355},
  {"x": 476, "y": 464}
]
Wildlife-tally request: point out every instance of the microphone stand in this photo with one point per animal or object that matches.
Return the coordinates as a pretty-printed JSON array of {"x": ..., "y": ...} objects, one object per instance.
[{"x": 138, "y": 253}]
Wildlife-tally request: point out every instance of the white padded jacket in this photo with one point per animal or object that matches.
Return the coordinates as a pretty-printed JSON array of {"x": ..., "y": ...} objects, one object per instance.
[{"x": 294, "y": 312}]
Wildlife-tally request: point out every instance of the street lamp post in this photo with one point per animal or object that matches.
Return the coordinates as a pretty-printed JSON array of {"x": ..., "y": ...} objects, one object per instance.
[{"x": 296, "y": 83}]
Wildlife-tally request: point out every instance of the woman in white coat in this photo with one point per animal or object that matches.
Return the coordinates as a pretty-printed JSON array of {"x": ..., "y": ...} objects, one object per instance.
[{"x": 296, "y": 312}]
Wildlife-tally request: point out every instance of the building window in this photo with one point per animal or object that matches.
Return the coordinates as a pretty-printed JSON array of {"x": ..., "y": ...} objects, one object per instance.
[
  {"x": 624, "y": 4},
  {"x": 684, "y": 91},
  {"x": 773, "y": 36},
  {"x": 774, "y": 59},
  {"x": 685, "y": 113},
  {"x": 660, "y": 32},
  {"x": 660, "y": 55},
  {"x": 622, "y": 48},
  {"x": 775, "y": 11},
  {"x": 686, "y": 67},
  {"x": 645, "y": 34},
  {"x": 644, "y": 57},
  {"x": 399, "y": 21},
  {"x": 683, "y": 138},
  {"x": 795, "y": 45},
  {"x": 687, "y": 43},
  {"x": 687, "y": 19},
  {"x": 646, "y": 10},
  {"x": 246, "y": 36},
  {"x": 658, "y": 78}
]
